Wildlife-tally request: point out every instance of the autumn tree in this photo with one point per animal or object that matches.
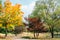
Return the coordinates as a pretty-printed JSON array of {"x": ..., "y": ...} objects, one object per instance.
[
  {"x": 0, "y": 5},
  {"x": 35, "y": 25},
  {"x": 11, "y": 16}
]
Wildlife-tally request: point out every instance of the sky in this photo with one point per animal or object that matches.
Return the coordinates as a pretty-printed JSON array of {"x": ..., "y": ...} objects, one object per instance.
[{"x": 27, "y": 5}]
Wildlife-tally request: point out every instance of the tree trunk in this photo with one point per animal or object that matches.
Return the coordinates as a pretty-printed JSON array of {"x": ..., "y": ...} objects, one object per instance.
[
  {"x": 52, "y": 32},
  {"x": 34, "y": 34},
  {"x": 37, "y": 34},
  {"x": 6, "y": 32}
]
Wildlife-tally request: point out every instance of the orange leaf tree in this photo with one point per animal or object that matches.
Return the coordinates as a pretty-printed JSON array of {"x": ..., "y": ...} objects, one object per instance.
[{"x": 11, "y": 15}]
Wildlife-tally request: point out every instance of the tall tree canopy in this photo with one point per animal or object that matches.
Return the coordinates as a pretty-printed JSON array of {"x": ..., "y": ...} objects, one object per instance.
[
  {"x": 10, "y": 15},
  {"x": 48, "y": 11}
]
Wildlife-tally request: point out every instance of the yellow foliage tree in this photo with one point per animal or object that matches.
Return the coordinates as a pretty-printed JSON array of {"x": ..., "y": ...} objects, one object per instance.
[{"x": 11, "y": 15}]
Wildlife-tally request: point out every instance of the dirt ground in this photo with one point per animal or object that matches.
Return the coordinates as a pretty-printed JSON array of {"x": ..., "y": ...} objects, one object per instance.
[{"x": 42, "y": 36}]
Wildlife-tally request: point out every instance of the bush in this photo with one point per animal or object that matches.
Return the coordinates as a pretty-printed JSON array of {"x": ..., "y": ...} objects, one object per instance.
[{"x": 2, "y": 30}]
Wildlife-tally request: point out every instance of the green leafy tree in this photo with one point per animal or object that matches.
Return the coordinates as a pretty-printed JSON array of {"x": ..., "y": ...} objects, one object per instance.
[{"x": 47, "y": 11}]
